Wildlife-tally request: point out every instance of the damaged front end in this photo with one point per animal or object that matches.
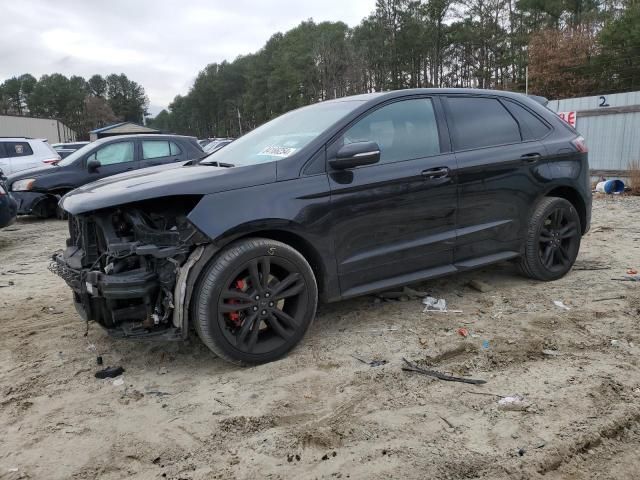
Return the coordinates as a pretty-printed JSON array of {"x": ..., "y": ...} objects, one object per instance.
[{"x": 123, "y": 265}]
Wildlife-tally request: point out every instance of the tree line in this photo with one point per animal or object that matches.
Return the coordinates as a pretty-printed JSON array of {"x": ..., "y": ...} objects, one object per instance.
[
  {"x": 82, "y": 105},
  {"x": 569, "y": 47}
]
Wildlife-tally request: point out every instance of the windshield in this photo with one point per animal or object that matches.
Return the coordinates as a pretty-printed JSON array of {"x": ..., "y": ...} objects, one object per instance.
[
  {"x": 282, "y": 136},
  {"x": 75, "y": 155}
]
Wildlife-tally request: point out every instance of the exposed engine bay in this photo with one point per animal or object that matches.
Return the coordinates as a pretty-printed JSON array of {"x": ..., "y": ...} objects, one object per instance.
[{"x": 123, "y": 265}]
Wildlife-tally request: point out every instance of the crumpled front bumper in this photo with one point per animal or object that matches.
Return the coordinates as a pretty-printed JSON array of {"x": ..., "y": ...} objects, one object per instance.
[{"x": 95, "y": 292}]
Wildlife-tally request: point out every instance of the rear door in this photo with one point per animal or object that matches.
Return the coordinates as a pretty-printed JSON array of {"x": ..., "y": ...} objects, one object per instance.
[
  {"x": 498, "y": 175},
  {"x": 116, "y": 157},
  {"x": 394, "y": 221},
  {"x": 159, "y": 152}
]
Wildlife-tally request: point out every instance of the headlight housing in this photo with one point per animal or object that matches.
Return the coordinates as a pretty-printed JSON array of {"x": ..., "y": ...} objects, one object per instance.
[{"x": 22, "y": 185}]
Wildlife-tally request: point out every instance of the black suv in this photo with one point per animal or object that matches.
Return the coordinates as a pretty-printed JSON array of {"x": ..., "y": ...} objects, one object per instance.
[
  {"x": 38, "y": 190},
  {"x": 330, "y": 201},
  {"x": 8, "y": 207}
]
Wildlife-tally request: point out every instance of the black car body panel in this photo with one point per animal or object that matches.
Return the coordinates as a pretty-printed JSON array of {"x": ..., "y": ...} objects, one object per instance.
[
  {"x": 51, "y": 182},
  {"x": 420, "y": 214},
  {"x": 8, "y": 205}
]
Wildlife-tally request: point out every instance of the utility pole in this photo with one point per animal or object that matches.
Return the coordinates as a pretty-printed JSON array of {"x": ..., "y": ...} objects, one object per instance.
[
  {"x": 526, "y": 80},
  {"x": 239, "y": 122}
]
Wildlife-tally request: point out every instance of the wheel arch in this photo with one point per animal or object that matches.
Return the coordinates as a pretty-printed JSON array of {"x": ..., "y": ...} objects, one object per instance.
[
  {"x": 572, "y": 196},
  {"x": 299, "y": 243}
]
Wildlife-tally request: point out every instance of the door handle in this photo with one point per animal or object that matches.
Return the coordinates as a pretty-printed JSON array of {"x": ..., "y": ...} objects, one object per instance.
[
  {"x": 531, "y": 157},
  {"x": 433, "y": 173}
]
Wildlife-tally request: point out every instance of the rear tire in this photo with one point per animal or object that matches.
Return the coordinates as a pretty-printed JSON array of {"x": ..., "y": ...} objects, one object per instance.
[
  {"x": 255, "y": 301},
  {"x": 552, "y": 241}
]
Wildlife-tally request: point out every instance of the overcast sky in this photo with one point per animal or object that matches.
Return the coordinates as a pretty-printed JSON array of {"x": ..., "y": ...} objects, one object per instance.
[{"x": 161, "y": 44}]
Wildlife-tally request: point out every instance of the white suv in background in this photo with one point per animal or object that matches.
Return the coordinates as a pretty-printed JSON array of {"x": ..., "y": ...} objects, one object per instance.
[{"x": 21, "y": 153}]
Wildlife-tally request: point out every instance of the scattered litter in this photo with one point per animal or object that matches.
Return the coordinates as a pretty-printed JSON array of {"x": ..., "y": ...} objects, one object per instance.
[
  {"x": 480, "y": 286},
  {"x": 412, "y": 367},
  {"x": 559, "y": 304},
  {"x": 550, "y": 353},
  {"x": 371, "y": 363},
  {"x": 610, "y": 186},
  {"x": 618, "y": 297},
  {"x": 521, "y": 451},
  {"x": 631, "y": 271},
  {"x": 437, "y": 305},
  {"x": 463, "y": 332},
  {"x": 513, "y": 403},
  {"x": 99, "y": 360},
  {"x": 451, "y": 425},
  {"x": 110, "y": 372},
  {"x": 615, "y": 343},
  {"x": 485, "y": 345},
  {"x": 118, "y": 381},
  {"x": 628, "y": 278}
]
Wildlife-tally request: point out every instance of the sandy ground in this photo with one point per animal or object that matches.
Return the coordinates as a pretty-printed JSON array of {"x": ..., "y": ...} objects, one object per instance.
[{"x": 181, "y": 413}]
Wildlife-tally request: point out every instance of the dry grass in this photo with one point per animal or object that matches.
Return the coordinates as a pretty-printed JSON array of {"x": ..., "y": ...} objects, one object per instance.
[{"x": 634, "y": 176}]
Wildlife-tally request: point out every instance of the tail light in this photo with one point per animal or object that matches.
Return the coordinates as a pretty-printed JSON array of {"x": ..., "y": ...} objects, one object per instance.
[{"x": 580, "y": 144}]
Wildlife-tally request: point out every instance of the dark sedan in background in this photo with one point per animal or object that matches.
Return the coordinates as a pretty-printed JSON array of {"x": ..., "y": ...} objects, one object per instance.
[
  {"x": 8, "y": 206},
  {"x": 38, "y": 191}
]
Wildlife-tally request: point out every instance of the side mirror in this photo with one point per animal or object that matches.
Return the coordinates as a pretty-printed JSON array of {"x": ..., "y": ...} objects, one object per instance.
[
  {"x": 356, "y": 154},
  {"x": 93, "y": 165}
]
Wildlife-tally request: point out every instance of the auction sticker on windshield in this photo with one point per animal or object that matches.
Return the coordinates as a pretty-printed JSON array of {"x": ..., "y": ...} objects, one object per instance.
[{"x": 275, "y": 151}]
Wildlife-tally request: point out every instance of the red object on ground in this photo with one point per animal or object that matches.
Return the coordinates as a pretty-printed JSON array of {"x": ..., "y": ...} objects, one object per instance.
[
  {"x": 463, "y": 332},
  {"x": 632, "y": 271}
]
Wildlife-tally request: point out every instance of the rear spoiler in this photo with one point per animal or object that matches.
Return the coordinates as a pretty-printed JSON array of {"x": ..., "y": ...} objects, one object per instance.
[{"x": 541, "y": 100}]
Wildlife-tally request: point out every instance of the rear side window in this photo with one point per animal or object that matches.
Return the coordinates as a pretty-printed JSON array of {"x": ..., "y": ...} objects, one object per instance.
[
  {"x": 531, "y": 126},
  {"x": 481, "y": 122},
  {"x": 121, "y": 152},
  {"x": 158, "y": 149},
  {"x": 17, "y": 149},
  {"x": 403, "y": 130}
]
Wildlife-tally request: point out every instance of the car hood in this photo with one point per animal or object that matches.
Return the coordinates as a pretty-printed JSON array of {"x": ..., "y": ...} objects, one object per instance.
[
  {"x": 164, "y": 181},
  {"x": 32, "y": 173}
]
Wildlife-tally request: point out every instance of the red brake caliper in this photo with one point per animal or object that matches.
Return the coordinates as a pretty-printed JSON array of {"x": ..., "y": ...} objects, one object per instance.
[{"x": 235, "y": 316}]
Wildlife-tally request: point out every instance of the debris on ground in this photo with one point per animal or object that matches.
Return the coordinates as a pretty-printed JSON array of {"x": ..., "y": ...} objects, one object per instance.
[
  {"x": 617, "y": 297},
  {"x": 628, "y": 278},
  {"x": 436, "y": 305},
  {"x": 118, "y": 381},
  {"x": 513, "y": 403},
  {"x": 463, "y": 332},
  {"x": 412, "y": 367},
  {"x": 110, "y": 372},
  {"x": 631, "y": 271},
  {"x": 480, "y": 286},
  {"x": 99, "y": 360},
  {"x": 485, "y": 345},
  {"x": 560, "y": 304},
  {"x": 550, "y": 353},
  {"x": 371, "y": 363}
]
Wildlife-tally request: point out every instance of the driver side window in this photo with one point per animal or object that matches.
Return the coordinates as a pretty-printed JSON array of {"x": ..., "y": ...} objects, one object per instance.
[
  {"x": 121, "y": 152},
  {"x": 403, "y": 130}
]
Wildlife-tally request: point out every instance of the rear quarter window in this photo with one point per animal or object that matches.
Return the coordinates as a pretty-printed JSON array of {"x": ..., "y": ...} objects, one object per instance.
[
  {"x": 531, "y": 126},
  {"x": 481, "y": 122},
  {"x": 17, "y": 149}
]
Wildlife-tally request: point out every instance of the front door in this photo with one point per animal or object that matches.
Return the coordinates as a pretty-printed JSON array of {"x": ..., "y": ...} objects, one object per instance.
[
  {"x": 114, "y": 158},
  {"x": 394, "y": 221}
]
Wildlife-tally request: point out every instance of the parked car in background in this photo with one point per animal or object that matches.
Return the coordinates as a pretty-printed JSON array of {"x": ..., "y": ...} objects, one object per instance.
[
  {"x": 69, "y": 146},
  {"x": 8, "y": 206},
  {"x": 37, "y": 191},
  {"x": 65, "y": 152},
  {"x": 216, "y": 145},
  {"x": 330, "y": 201},
  {"x": 22, "y": 153}
]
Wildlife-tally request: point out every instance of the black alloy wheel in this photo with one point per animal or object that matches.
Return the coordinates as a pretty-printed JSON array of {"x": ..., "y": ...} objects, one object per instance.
[
  {"x": 256, "y": 301},
  {"x": 552, "y": 240}
]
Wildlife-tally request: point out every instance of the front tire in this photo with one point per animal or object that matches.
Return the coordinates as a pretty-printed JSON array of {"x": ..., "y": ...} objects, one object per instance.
[
  {"x": 255, "y": 301},
  {"x": 553, "y": 240}
]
